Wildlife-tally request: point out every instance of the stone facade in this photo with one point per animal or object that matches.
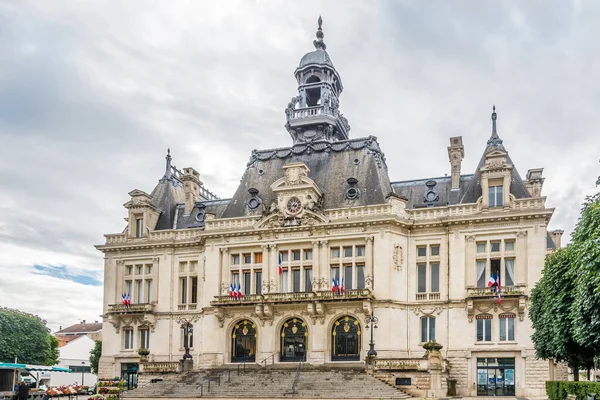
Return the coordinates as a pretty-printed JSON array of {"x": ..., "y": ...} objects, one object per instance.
[{"x": 418, "y": 255}]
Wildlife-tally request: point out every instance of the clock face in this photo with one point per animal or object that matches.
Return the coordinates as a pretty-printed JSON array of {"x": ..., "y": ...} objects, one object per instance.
[{"x": 294, "y": 206}]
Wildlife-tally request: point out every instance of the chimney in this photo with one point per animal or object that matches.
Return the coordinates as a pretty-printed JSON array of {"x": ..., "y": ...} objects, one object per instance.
[
  {"x": 557, "y": 237},
  {"x": 456, "y": 153},
  {"x": 191, "y": 187},
  {"x": 534, "y": 182},
  {"x": 83, "y": 322}
]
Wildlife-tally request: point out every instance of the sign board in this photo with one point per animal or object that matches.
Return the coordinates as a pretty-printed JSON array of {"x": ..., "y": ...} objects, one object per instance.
[
  {"x": 509, "y": 374},
  {"x": 403, "y": 382}
]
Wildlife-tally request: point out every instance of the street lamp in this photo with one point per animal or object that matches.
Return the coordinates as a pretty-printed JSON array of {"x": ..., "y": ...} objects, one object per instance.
[
  {"x": 188, "y": 331},
  {"x": 373, "y": 320},
  {"x": 82, "y": 370}
]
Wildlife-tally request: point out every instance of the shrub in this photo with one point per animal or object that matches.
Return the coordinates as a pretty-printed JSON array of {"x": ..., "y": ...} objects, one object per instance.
[{"x": 558, "y": 390}]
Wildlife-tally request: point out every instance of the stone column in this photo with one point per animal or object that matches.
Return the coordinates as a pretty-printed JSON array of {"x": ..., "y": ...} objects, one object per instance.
[
  {"x": 316, "y": 261},
  {"x": 370, "y": 267},
  {"x": 266, "y": 264},
  {"x": 506, "y": 190},
  {"x": 324, "y": 261},
  {"x": 273, "y": 274},
  {"x": 119, "y": 273},
  {"x": 470, "y": 264},
  {"x": 155, "y": 264},
  {"x": 224, "y": 274},
  {"x": 521, "y": 260},
  {"x": 485, "y": 204}
]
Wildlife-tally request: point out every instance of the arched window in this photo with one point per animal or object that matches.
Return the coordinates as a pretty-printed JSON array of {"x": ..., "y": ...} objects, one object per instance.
[
  {"x": 294, "y": 338},
  {"x": 313, "y": 93},
  {"x": 243, "y": 342},
  {"x": 313, "y": 79},
  {"x": 346, "y": 339},
  {"x": 427, "y": 329}
]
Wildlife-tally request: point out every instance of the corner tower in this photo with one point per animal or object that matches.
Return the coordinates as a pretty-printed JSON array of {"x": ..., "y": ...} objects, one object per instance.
[{"x": 313, "y": 115}]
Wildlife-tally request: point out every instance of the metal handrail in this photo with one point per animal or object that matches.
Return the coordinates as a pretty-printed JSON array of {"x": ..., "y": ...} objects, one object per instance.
[
  {"x": 296, "y": 378},
  {"x": 272, "y": 357}
]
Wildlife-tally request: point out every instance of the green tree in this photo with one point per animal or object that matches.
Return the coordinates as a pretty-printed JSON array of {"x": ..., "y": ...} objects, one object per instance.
[
  {"x": 585, "y": 260},
  {"x": 95, "y": 356},
  {"x": 550, "y": 314},
  {"x": 26, "y": 337}
]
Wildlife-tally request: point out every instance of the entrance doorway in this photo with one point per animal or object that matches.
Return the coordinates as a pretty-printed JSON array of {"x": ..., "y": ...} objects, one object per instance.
[
  {"x": 345, "y": 339},
  {"x": 129, "y": 373},
  {"x": 294, "y": 337},
  {"x": 243, "y": 342},
  {"x": 495, "y": 377}
]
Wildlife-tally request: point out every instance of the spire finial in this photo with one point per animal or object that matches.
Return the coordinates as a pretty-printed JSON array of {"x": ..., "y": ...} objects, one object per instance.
[
  {"x": 494, "y": 140},
  {"x": 168, "y": 171},
  {"x": 318, "y": 43},
  {"x": 494, "y": 118}
]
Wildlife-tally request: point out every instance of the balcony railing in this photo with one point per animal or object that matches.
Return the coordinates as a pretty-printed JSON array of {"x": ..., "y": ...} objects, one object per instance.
[
  {"x": 427, "y": 296},
  {"x": 183, "y": 307},
  {"x": 507, "y": 291},
  {"x": 352, "y": 294},
  {"x": 132, "y": 309}
]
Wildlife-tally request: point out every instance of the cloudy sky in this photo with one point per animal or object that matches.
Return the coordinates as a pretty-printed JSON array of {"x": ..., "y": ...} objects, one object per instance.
[{"x": 92, "y": 93}]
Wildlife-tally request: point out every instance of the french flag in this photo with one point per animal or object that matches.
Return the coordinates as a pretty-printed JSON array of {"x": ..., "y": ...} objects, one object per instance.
[
  {"x": 279, "y": 267},
  {"x": 124, "y": 299},
  {"x": 239, "y": 292},
  {"x": 342, "y": 287},
  {"x": 127, "y": 301},
  {"x": 333, "y": 285},
  {"x": 230, "y": 290},
  {"x": 492, "y": 281}
]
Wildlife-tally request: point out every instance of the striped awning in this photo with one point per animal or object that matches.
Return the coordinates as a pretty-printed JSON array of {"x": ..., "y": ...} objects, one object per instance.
[
  {"x": 46, "y": 368},
  {"x": 11, "y": 366}
]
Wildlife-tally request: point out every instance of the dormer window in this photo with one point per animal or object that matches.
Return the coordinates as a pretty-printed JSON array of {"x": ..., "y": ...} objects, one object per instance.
[
  {"x": 139, "y": 227},
  {"x": 496, "y": 193}
]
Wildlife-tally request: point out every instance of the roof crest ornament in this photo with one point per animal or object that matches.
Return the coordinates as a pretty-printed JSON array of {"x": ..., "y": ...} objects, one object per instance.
[
  {"x": 168, "y": 170},
  {"x": 319, "y": 43},
  {"x": 494, "y": 139}
]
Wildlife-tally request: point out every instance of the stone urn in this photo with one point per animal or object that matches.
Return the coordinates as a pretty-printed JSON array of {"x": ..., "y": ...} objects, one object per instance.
[{"x": 433, "y": 355}]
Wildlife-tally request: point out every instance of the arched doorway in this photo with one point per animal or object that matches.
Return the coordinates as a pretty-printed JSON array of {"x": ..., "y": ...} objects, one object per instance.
[
  {"x": 294, "y": 337},
  {"x": 243, "y": 342},
  {"x": 345, "y": 339}
]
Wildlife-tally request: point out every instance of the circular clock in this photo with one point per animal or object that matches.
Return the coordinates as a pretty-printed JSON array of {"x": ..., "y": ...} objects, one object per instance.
[{"x": 294, "y": 205}]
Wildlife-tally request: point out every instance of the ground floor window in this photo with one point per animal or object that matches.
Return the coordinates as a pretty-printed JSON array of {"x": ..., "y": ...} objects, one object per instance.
[
  {"x": 294, "y": 337},
  {"x": 495, "y": 377},
  {"x": 129, "y": 373},
  {"x": 345, "y": 339},
  {"x": 243, "y": 342}
]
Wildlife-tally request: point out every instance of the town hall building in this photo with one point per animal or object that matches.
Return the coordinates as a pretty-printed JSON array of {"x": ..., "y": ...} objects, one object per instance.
[{"x": 317, "y": 242}]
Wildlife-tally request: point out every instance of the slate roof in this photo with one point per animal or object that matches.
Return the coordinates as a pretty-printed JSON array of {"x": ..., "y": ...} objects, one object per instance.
[
  {"x": 165, "y": 196},
  {"x": 549, "y": 242},
  {"x": 414, "y": 190},
  {"x": 330, "y": 164},
  {"x": 81, "y": 328}
]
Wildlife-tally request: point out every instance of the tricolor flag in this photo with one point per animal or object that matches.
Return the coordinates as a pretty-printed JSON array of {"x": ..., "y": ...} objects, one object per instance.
[
  {"x": 333, "y": 285},
  {"x": 492, "y": 281},
  {"x": 127, "y": 301},
  {"x": 239, "y": 290},
  {"x": 498, "y": 289},
  {"x": 124, "y": 299},
  {"x": 279, "y": 267},
  {"x": 342, "y": 287},
  {"x": 337, "y": 286},
  {"x": 230, "y": 290}
]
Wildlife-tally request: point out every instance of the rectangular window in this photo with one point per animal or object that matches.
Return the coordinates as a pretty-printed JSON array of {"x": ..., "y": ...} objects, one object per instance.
[
  {"x": 139, "y": 269},
  {"x": 296, "y": 280},
  {"x": 129, "y": 270},
  {"x": 284, "y": 256},
  {"x": 421, "y": 251},
  {"x": 360, "y": 276},
  {"x": 335, "y": 273},
  {"x": 435, "y": 278},
  {"x": 347, "y": 277},
  {"x": 495, "y": 268},
  {"x": 481, "y": 247},
  {"x": 257, "y": 258},
  {"x": 194, "y": 290},
  {"x": 139, "y": 227},
  {"x": 183, "y": 290},
  {"x": 509, "y": 245},
  {"x": 484, "y": 330},
  {"x": 308, "y": 254},
  {"x": 495, "y": 246},
  {"x": 435, "y": 250},
  {"x": 235, "y": 278},
  {"x": 422, "y": 278},
  {"x": 139, "y": 291},
  {"x": 183, "y": 266},
  {"x": 193, "y": 266},
  {"x": 258, "y": 282},
  {"x": 149, "y": 269},
  {"x": 348, "y": 251},
  {"x": 235, "y": 259},
  {"x": 296, "y": 255},
  {"x": 128, "y": 339},
  {"x": 247, "y": 285},
  {"x": 495, "y": 196},
  {"x": 507, "y": 329},
  {"x": 427, "y": 329},
  {"x": 509, "y": 272},
  {"x": 149, "y": 291},
  {"x": 308, "y": 280},
  {"x": 144, "y": 339},
  {"x": 129, "y": 286},
  {"x": 335, "y": 252},
  {"x": 284, "y": 281},
  {"x": 360, "y": 251},
  {"x": 481, "y": 281},
  {"x": 247, "y": 258}
]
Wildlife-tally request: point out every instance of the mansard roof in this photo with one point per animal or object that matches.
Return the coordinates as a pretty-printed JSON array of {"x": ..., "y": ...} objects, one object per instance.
[
  {"x": 415, "y": 190},
  {"x": 330, "y": 165}
]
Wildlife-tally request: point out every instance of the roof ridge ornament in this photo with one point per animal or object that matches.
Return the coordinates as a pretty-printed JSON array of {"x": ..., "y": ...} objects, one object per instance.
[
  {"x": 319, "y": 43},
  {"x": 168, "y": 170},
  {"x": 494, "y": 140}
]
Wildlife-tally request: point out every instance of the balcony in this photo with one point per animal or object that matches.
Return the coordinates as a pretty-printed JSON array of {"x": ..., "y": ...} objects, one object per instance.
[
  {"x": 299, "y": 297},
  {"x": 427, "y": 296},
  {"x": 507, "y": 292},
  {"x": 132, "y": 309}
]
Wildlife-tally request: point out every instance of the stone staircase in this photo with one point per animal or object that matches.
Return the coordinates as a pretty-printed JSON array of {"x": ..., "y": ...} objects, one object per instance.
[{"x": 313, "y": 383}]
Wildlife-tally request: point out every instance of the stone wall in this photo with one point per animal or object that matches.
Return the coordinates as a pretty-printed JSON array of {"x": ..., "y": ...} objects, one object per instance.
[
  {"x": 536, "y": 374},
  {"x": 459, "y": 367},
  {"x": 106, "y": 367}
]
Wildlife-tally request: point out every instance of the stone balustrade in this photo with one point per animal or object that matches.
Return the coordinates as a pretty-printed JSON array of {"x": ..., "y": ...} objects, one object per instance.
[
  {"x": 401, "y": 364},
  {"x": 352, "y": 294},
  {"x": 507, "y": 291},
  {"x": 132, "y": 309},
  {"x": 159, "y": 367}
]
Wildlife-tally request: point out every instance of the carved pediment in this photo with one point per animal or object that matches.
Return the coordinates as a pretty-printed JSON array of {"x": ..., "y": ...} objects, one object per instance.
[{"x": 279, "y": 219}]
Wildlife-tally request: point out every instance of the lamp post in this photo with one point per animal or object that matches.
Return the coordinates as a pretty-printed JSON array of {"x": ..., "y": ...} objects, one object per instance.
[
  {"x": 188, "y": 331},
  {"x": 372, "y": 320},
  {"x": 82, "y": 371}
]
